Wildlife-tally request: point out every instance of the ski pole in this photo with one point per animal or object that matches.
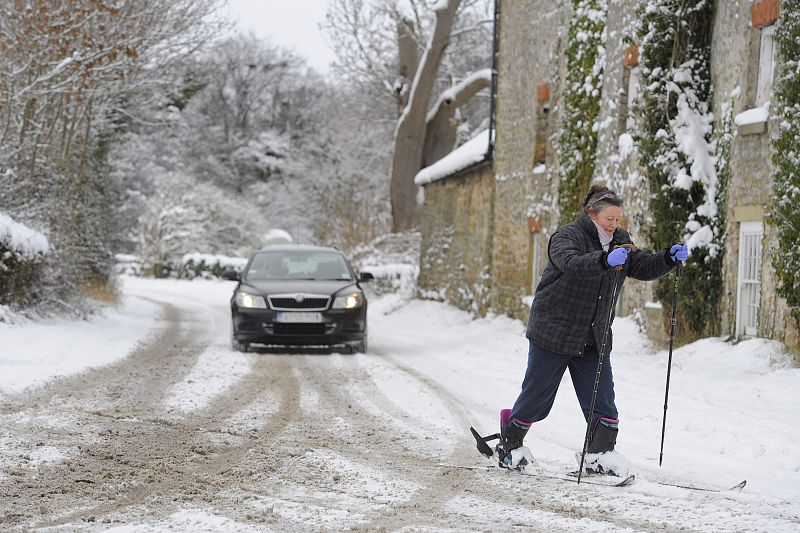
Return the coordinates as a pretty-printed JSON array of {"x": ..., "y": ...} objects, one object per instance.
[
  {"x": 669, "y": 362},
  {"x": 632, "y": 248}
]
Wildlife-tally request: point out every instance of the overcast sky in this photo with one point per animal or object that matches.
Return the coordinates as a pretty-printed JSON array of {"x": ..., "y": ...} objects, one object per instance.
[{"x": 293, "y": 24}]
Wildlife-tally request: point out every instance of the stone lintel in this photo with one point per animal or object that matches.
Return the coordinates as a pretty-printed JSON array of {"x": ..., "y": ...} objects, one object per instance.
[{"x": 747, "y": 213}]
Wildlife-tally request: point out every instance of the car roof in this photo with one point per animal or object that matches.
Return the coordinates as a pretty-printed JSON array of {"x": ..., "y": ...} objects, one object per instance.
[{"x": 296, "y": 248}]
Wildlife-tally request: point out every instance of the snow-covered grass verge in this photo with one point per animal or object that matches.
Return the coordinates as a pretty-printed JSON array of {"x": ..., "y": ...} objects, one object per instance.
[{"x": 35, "y": 352}]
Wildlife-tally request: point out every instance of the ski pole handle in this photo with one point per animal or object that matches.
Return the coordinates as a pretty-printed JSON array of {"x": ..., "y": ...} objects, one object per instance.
[{"x": 629, "y": 246}]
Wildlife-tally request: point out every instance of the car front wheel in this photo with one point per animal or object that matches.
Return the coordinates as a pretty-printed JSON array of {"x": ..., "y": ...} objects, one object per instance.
[
  {"x": 237, "y": 346},
  {"x": 359, "y": 347}
]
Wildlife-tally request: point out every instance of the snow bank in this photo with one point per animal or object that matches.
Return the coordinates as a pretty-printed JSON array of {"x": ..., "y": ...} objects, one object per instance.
[
  {"x": 22, "y": 239},
  {"x": 35, "y": 352},
  {"x": 473, "y": 151}
]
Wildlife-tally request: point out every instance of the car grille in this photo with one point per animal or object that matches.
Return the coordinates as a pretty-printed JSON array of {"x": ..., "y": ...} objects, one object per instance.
[
  {"x": 307, "y": 302},
  {"x": 299, "y": 329}
]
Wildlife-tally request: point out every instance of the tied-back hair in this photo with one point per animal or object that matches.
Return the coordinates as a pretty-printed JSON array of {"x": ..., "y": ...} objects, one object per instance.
[{"x": 600, "y": 196}]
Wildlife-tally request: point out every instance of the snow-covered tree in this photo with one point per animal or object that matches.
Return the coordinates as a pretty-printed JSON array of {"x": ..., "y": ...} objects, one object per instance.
[
  {"x": 786, "y": 188},
  {"x": 66, "y": 69},
  {"x": 184, "y": 216},
  {"x": 679, "y": 151},
  {"x": 409, "y": 52},
  {"x": 290, "y": 151},
  {"x": 577, "y": 143},
  {"x": 345, "y": 158}
]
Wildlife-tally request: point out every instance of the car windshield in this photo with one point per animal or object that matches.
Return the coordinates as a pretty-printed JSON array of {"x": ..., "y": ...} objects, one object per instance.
[{"x": 289, "y": 265}]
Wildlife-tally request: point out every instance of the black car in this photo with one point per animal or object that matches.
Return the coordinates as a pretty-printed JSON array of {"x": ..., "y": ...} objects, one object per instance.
[{"x": 299, "y": 295}]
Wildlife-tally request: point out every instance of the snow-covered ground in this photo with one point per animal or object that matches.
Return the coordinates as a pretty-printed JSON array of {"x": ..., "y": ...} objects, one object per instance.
[
  {"x": 33, "y": 352},
  {"x": 732, "y": 408}
]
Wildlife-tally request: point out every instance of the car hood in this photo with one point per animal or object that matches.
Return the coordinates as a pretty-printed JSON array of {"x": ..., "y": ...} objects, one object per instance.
[{"x": 267, "y": 288}]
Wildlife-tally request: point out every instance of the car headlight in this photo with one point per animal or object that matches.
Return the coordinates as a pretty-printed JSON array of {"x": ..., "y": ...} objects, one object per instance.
[
  {"x": 349, "y": 301},
  {"x": 251, "y": 301}
]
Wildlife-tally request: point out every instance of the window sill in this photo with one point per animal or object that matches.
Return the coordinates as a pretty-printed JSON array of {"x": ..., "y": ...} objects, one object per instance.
[
  {"x": 755, "y": 128},
  {"x": 752, "y": 121}
]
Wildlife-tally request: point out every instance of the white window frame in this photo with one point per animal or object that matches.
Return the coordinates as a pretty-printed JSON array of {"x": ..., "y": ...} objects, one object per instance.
[
  {"x": 750, "y": 236},
  {"x": 766, "y": 65},
  {"x": 536, "y": 251}
]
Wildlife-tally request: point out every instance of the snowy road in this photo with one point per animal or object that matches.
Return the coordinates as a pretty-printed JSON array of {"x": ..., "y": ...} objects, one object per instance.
[{"x": 184, "y": 434}]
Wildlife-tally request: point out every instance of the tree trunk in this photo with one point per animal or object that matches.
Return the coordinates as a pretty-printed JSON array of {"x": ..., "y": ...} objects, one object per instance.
[
  {"x": 440, "y": 136},
  {"x": 409, "y": 141},
  {"x": 408, "y": 60}
]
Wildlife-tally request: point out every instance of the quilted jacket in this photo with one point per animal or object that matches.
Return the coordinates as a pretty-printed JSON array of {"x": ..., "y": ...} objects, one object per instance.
[{"x": 571, "y": 304}]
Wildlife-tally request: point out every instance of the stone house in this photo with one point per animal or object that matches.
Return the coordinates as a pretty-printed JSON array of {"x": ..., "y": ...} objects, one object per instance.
[{"x": 485, "y": 225}]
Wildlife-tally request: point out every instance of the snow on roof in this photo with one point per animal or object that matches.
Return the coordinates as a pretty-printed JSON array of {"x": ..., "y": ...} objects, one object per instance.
[
  {"x": 22, "y": 239},
  {"x": 473, "y": 151}
]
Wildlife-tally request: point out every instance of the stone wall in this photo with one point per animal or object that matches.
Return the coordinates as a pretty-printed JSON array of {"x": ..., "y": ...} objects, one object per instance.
[
  {"x": 456, "y": 226},
  {"x": 735, "y": 60},
  {"x": 529, "y": 61},
  {"x": 619, "y": 168}
]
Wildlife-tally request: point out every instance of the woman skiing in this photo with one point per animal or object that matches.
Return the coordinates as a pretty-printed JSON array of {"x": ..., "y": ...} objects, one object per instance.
[{"x": 573, "y": 306}]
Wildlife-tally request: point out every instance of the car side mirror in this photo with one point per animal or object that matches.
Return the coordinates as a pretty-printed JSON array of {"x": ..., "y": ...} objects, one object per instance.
[
  {"x": 230, "y": 274},
  {"x": 365, "y": 276}
]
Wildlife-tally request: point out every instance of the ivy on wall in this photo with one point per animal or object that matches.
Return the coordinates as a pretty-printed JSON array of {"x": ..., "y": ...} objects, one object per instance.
[
  {"x": 577, "y": 143},
  {"x": 785, "y": 214},
  {"x": 678, "y": 148}
]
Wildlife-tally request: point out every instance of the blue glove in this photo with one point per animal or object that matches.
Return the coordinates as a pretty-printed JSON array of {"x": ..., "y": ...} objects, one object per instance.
[
  {"x": 679, "y": 252},
  {"x": 617, "y": 256}
]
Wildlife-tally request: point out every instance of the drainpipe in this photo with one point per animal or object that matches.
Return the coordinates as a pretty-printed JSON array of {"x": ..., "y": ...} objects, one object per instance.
[{"x": 490, "y": 148}]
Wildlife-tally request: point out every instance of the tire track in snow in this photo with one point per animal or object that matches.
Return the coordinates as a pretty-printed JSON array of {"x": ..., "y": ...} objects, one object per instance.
[
  {"x": 134, "y": 455},
  {"x": 440, "y": 487},
  {"x": 435, "y": 487},
  {"x": 169, "y": 467}
]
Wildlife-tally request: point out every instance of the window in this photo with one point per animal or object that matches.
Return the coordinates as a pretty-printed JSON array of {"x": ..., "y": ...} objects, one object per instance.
[
  {"x": 766, "y": 65},
  {"x": 542, "y": 114},
  {"x": 749, "y": 286},
  {"x": 298, "y": 265}
]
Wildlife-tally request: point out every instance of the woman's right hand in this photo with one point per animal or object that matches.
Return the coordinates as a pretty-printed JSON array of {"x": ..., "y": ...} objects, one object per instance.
[{"x": 617, "y": 256}]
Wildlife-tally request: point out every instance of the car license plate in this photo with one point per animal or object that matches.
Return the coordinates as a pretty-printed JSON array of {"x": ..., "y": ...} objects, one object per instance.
[{"x": 299, "y": 317}]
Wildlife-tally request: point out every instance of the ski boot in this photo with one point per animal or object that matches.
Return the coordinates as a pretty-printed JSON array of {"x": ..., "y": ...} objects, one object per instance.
[
  {"x": 601, "y": 459},
  {"x": 511, "y": 453}
]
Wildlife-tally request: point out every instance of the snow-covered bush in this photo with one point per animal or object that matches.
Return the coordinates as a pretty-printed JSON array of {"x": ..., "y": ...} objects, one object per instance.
[
  {"x": 184, "y": 216},
  {"x": 21, "y": 251},
  {"x": 196, "y": 265},
  {"x": 679, "y": 151},
  {"x": 128, "y": 264},
  {"x": 394, "y": 261},
  {"x": 785, "y": 215},
  {"x": 577, "y": 143}
]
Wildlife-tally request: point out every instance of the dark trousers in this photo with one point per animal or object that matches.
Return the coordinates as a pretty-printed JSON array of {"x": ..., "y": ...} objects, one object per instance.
[{"x": 545, "y": 369}]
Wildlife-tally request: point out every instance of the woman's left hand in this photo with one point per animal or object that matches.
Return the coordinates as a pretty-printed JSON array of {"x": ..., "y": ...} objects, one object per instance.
[{"x": 679, "y": 252}]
